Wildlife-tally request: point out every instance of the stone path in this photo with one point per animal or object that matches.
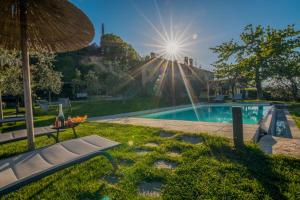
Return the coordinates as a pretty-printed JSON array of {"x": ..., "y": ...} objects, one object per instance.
[
  {"x": 152, "y": 144},
  {"x": 192, "y": 139},
  {"x": 268, "y": 144},
  {"x": 165, "y": 134},
  {"x": 278, "y": 145},
  {"x": 173, "y": 154},
  {"x": 141, "y": 151},
  {"x": 165, "y": 164}
]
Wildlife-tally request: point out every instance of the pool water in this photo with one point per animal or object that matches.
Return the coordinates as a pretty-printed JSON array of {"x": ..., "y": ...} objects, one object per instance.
[{"x": 252, "y": 114}]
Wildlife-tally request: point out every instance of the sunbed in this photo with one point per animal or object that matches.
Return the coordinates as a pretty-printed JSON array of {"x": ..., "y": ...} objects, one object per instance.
[
  {"x": 22, "y": 134},
  {"x": 219, "y": 98},
  {"x": 66, "y": 103},
  {"x": 43, "y": 104},
  {"x": 12, "y": 119},
  {"x": 237, "y": 97},
  {"x": 25, "y": 168}
]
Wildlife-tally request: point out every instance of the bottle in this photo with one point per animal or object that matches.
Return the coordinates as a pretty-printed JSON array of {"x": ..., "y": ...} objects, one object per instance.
[
  {"x": 57, "y": 123},
  {"x": 61, "y": 116}
]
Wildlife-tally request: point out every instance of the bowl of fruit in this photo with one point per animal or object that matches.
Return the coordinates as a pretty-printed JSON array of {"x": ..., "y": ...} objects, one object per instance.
[{"x": 75, "y": 121}]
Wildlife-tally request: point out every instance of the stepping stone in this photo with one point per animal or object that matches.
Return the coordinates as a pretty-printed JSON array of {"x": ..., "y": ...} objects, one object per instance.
[
  {"x": 166, "y": 134},
  {"x": 143, "y": 151},
  {"x": 173, "y": 153},
  {"x": 152, "y": 188},
  {"x": 192, "y": 139},
  {"x": 112, "y": 179},
  {"x": 151, "y": 144},
  {"x": 165, "y": 164}
]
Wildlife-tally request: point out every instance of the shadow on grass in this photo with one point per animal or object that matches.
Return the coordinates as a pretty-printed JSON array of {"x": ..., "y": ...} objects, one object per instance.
[
  {"x": 259, "y": 165},
  {"x": 49, "y": 184},
  {"x": 92, "y": 195},
  {"x": 21, "y": 125}
]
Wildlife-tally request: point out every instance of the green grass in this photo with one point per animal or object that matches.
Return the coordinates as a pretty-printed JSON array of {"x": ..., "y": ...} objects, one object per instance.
[
  {"x": 210, "y": 170},
  {"x": 90, "y": 108}
]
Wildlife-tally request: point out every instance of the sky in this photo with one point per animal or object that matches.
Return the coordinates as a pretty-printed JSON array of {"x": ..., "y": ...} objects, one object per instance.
[{"x": 202, "y": 24}]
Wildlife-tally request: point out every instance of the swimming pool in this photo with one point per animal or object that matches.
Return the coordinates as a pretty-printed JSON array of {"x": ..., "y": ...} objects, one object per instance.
[{"x": 252, "y": 113}]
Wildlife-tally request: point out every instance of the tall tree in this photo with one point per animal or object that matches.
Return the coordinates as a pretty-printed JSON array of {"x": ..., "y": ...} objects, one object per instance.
[
  {"x": 260, "y": 51},
  {"x": 283, "y": 48}
]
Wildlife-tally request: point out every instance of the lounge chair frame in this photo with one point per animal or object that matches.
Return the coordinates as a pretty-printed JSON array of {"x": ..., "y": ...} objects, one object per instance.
[{"x": 16, "y": 185}]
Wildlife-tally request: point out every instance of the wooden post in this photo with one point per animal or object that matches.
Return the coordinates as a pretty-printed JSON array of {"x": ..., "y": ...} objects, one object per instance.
[
  {"x": 1, "y": 108},
  {"x": 26, "y": 74},
  {"x": 237, "y": 123}
]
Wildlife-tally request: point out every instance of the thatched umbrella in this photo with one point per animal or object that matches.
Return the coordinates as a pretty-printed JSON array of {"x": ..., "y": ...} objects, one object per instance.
[{"x": 35, "y": 25}]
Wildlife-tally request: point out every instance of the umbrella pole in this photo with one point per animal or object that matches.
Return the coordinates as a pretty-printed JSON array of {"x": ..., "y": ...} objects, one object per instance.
[
  {"x": 26, "y": 74},
  {"x": 1, "y": 108}
]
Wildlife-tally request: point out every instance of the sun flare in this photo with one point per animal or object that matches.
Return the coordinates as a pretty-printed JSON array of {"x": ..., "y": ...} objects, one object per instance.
[{"x": 172, "y": 49}]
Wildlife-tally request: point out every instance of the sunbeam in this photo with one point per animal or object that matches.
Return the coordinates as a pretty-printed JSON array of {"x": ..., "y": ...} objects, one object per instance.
[
  {"x": 189, "y": 90},
  {"x": 171, "y": 44}
]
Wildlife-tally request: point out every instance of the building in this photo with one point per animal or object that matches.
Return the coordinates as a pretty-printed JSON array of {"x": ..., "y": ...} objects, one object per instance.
[{"x": 167, "y": 78}]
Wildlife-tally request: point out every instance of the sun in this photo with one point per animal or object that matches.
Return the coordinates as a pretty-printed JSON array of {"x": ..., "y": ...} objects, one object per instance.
[
  {"x": 172, "y": 49},
  {"x": 173, "y": 42}
]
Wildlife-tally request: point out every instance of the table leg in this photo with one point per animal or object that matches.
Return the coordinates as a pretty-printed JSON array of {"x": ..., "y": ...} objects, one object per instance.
[
  {"x": 57, "y": 135},
  {"x": 74, "y": 132}
]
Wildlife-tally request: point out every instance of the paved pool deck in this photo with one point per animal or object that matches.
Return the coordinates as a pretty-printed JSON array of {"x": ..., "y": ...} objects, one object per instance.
[
  {"x": 216, "y": 129},
  {"x": 268, "y": 143},
  {"x": 280, "y": 146}
]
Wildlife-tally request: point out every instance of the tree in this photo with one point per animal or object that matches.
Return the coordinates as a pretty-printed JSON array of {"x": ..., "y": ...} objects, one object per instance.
[
  {"x": 285, "y": 57},
  {"x": 115, "y": 47},
  {"x": 77, "y": 82},
  {"x": 92, "y": 83},
  {"x": 232, "y": 73},
  {"x": 259, "y": 52},
  {"x": 44, "y": 77},
  {"x": 10, "y": 79}
]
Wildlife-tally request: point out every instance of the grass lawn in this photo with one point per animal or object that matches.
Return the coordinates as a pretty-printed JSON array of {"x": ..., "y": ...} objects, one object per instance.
[
  {"x": 211, "y": 169},
  {"x": 90, "y": 108}
]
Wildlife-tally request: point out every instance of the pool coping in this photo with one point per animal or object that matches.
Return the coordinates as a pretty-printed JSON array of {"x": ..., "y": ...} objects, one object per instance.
[
  {"x": 251, "y": 131},
  {"x": 295, "y": 131},
  {"x": 271, "y": 144}
]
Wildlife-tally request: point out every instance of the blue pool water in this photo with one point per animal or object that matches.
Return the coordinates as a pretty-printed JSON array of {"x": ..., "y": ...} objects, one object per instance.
[{"x": 252, "y": 114}]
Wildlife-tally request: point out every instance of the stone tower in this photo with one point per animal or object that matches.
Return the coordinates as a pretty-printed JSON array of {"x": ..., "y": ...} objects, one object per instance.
[
  {"x": 102, "y": 33},
  {"x": 101, "y": 39}
]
